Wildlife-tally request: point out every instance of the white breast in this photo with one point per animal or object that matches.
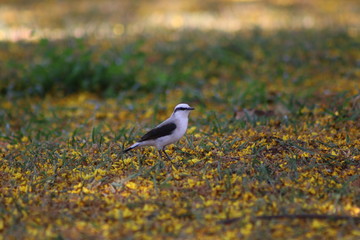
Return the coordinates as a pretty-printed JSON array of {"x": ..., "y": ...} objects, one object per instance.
[{"x": 181, "y": 126}]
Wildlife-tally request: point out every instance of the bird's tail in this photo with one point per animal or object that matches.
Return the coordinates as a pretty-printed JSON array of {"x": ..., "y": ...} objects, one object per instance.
[{"x": 131, "y": 147}]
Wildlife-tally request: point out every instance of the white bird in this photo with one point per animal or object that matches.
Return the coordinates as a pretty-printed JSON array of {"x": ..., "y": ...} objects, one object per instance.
[{"x": 167, "y": 132}]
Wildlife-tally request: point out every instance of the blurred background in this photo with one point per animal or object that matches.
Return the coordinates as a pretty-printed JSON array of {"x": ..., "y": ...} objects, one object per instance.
[
  {"x": 33, "y": 19},
  {"x": 253, "y": 49}
]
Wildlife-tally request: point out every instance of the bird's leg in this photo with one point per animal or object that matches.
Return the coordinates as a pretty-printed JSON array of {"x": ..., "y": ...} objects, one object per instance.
[
  {"x": 166, "y": 154},
  {"x": 160, "y": 154},
  {"x": 159, "y": 164}
]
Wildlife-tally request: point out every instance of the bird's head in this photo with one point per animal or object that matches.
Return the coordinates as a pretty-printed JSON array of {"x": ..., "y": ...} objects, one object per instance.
[{"x": 182, "y": 109}]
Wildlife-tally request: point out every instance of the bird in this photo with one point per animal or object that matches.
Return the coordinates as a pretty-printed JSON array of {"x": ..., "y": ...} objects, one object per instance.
[{"x": 167, "y": 132}]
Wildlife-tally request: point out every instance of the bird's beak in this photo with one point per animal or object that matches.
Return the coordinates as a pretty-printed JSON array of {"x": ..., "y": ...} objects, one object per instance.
[{"x": 191, "y": 108}]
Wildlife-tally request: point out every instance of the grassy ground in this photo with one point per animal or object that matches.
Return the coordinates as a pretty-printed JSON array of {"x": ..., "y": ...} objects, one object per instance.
[
  {"x": 295, "y": 159},
  {"x": 272, "y": 150}
]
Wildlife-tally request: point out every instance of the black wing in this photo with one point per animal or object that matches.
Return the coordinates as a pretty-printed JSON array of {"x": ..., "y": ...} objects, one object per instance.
[{"x": 158, "y": 132}]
